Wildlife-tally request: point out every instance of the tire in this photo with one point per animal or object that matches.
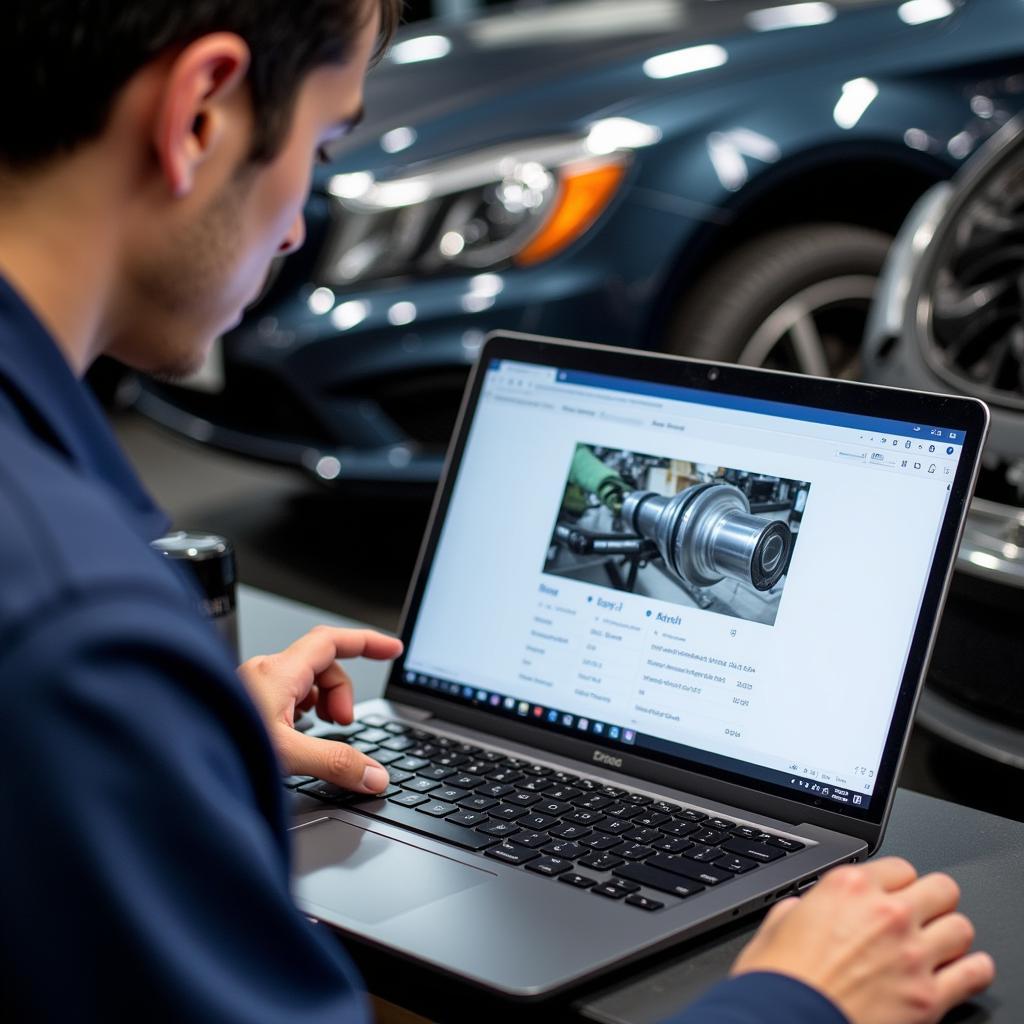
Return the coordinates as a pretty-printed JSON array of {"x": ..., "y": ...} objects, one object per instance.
[{"x": 794, "y": 299}]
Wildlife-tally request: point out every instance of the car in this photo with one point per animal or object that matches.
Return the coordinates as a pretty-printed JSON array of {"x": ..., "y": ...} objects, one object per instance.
[
  {"x": 714, "y": 179},
  {"x": 949, "y": 317}
]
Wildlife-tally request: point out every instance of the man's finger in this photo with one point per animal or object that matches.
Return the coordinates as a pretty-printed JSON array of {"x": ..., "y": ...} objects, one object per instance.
[
  {"x": 332, "y": 761},
  {"x": 948, "y": 938},
  {"x": 891, "y": 873},
  {"x": 322, "y": 645},
  {"x": 335, "y": 702},
  {"x": 931, "y": 897},
  {"x": 964, "y": 978}
]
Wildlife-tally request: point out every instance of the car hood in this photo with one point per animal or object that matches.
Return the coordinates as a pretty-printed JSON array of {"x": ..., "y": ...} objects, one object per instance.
[{"x": 524, "y": 70}]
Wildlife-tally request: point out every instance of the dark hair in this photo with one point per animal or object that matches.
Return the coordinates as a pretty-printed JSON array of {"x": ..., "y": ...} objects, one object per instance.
[{"x": 63, "y": 62}]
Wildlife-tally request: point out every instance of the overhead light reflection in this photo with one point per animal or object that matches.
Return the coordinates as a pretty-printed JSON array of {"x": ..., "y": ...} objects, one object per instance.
[
  {"x": 791, "y": 16},
  {"x": 612, "y": 134},
  {"x": 397, "y": 140},
  {"x": 350, "y": 186},
  {"x": 857, "y": 96},
  {"x": 917, "y": 12},
  {"x": 402, "y": 313},
  {"x": 685, "y": 62},
  {"x": 321, "y": 301},
  {"x": 412, "y": 51},
  {"x": 350, "y": 314},
  {"x": 728, "y": 152}
]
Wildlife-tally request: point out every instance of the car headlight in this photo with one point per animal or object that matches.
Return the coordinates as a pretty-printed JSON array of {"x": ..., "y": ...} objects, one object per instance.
[{"x": 520, "y": 203}]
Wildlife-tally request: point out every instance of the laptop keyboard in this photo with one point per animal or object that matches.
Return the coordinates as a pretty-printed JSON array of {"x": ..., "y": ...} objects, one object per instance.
[{"x": 608, "y": 840}]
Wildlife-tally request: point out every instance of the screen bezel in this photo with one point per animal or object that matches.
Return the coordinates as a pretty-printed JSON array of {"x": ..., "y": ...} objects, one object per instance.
[{"x": 945, "y": 411}]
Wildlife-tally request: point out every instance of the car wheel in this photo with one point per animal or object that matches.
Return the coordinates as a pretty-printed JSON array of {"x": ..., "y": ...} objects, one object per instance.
[{"x": 794, "y": 299}]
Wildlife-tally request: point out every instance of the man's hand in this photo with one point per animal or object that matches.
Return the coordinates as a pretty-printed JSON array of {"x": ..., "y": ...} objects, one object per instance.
[
  {"x": 306, "y": 675},
  {"x": 884, "y": 945}
]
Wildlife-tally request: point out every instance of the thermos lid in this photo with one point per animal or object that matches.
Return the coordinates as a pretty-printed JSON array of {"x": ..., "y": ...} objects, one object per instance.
[{"x": 211, "y": 557}]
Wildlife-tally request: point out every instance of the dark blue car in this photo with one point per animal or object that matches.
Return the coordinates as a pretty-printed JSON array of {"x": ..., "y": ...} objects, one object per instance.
[{"x": 715, "y": 178}]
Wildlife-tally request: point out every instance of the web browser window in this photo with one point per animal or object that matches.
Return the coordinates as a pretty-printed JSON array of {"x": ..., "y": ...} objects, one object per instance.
[{"x": 725, "y": 580}]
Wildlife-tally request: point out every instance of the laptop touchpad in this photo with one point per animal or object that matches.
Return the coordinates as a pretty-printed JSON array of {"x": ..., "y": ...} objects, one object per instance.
[{"x": 370, "y": 878}]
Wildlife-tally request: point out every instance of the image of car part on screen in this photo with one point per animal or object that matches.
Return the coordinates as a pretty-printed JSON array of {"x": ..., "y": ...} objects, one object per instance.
[{"x": 696, "y": 535}]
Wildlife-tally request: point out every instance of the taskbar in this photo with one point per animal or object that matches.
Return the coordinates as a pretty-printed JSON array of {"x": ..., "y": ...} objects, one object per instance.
[{"x": 803, "y": 781}]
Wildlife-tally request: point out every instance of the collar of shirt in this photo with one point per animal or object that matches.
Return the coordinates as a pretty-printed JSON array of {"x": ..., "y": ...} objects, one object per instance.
[{"x": 62, "y": 412}]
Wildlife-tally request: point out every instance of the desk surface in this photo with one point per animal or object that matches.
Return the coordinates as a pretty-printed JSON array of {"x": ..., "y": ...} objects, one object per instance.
[{"x": 984, "y": 853}]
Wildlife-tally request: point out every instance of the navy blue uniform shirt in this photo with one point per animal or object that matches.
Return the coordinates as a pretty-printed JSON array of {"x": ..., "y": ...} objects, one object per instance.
[{"x": 144, "y": 859}]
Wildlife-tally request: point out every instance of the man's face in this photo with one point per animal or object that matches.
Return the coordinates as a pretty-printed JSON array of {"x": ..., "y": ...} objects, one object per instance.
[{"x": 190, "y": 275}]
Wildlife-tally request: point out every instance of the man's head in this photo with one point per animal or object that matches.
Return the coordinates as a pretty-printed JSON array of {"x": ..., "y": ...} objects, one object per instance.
[{"x": 179, "y": 134}]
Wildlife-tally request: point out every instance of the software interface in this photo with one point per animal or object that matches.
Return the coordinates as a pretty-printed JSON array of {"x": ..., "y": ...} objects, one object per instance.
[{"x": 727, "y": 580}]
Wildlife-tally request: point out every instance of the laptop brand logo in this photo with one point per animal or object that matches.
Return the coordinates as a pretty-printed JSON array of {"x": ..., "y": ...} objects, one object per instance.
[{"x": 603, "y": 758}]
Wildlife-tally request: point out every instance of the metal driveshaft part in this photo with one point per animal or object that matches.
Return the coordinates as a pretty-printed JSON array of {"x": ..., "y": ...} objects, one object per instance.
[{"x": 707, "y": 533}]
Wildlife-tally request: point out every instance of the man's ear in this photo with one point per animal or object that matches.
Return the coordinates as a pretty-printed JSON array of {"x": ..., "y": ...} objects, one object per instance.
[{"x": 192, "y": 117}]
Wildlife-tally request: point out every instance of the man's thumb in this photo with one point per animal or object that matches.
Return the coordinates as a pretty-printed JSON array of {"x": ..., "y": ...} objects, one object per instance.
[{"x": 332, "y": 761}]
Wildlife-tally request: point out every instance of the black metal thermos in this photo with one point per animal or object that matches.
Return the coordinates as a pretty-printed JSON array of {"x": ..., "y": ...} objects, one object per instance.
[{"x": 211, "y": 560}]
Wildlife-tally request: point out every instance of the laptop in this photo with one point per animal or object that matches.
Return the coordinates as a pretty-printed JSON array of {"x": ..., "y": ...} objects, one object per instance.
[{"x": 662, "y": 652}]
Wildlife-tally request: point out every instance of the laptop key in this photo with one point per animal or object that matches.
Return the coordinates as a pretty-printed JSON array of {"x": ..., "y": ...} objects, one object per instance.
[
  {"x": 363, "y": 747},
  {"x": 614, "y": 826},
  {"x": 386, "y": 757},
  {"x": 555, "y": 808},
  {"x": 691, "y": 815},
  {"x": 643, "y": 902},
  {"x": 507, "y": 812},
  {"x": 679, "y": 828},
  {"x": 550, "y": 866},
  {"x": 467, "y": 819},
  {"x": 437, "y": 773},
  {"x": 655, "y": 878},
  {"x": 418, "y": 785},
  {"x": 601, "y": 861},
  {"x": 478, "y": 803},
  {"x": 409, "y": 799},
  {"x": 376, "y": 721},
  {"x": 665, "y": 807},
  {"x": 570, "y": 831},
  {"x": 616, "y": 889},
  {"x": 709, "y": 836},
  {"x": 449, "y": 760},
  {"x": 426, "y": 750},
  {"x": 531, "y": 839},
  {"x": 373, "y": 736},
  {"x": 643, "y": 835},
  {"x": 582, "y": 817},
  {"x": 703, "y": 854},
  {"x": 326, "y": 791},
  {"x": 502, "y": 829},
  {"x": 565, "y": 848},
  {"x": 512, "y": 854},
  {"x": 397, "y": 776},
  {"x": 747, "y": 832},
  {"x": 723, "y": 823},
  {"x": 449, "y": 793},
  {"x": 613, "y": 791},
  {"x": 789, "y": 845},
  {"x": 623, "y": 810},
  {"x": 600, "y": 842},
  {"x": 507, "y": 775},
  {"x": 437, "y": 808},
  {"x": 490, "y": 755},
  {"x": 523, "y": 799},
  {"x": 633, "y": 851},
  {"x": 708, "y": 874},
  {"x": 536, "y": 785},
  {"x": 344, "y": 732},
  {"x": 464, "y": 781},
  {"x": 650, "y": 819},
  {"x": 537, "y": 821},
  {"x": 399, "y": 743},
  {"x": 395, "y": 728},
  {"x": 410, "y": 764},
  {"x": 563, "y": 793},
  {"x": 579, "y": 881},
  {"x": 495, "y": 789},
  {"x": 730, "y": 862},
  {"x": 672, "y": 844},
  {"x": 593, "y": 801},
  {"x": 564, "y": 777},
  {"x": 761, "y": 852}
]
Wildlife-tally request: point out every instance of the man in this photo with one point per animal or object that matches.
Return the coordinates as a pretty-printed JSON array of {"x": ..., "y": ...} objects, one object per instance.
[{"x": 155, "y": 156}]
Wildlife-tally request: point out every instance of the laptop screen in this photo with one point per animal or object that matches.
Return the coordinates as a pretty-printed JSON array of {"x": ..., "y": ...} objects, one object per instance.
[{"x": 710, "y": 579}]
